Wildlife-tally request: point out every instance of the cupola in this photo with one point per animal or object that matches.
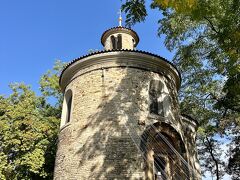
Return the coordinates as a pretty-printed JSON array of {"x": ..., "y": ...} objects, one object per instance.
[{"x": 119, "y": 38}]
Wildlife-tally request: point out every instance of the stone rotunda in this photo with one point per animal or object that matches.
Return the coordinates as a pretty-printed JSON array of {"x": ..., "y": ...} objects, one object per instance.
[{"x": 121, "y": 117}]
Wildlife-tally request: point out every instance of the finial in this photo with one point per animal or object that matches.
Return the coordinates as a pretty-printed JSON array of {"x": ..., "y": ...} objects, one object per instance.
[{"x": 120, "y": 17}]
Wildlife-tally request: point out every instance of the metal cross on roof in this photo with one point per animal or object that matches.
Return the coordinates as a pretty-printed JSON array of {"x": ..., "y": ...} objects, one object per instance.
[{"x": 120, "y": 17}]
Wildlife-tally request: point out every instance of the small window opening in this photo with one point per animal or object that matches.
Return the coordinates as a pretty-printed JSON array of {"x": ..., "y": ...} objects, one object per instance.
[
  {"x": 156, "y": 103},
  {"x": 153, "y": 102},
  {"x": 69, "y": 106},
  {"x": 68, "y": 97},
  {"x": 113, "y": 40},
  {"x": 119, "y": 41}
]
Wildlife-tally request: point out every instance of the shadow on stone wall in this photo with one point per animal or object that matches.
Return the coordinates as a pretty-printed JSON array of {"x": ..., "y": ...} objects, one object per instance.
[
  {"x": 116, "y": 119},
  {"x": 109, "y": 140}
]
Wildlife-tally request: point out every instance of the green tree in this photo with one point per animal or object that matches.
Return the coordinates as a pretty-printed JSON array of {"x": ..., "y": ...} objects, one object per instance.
[
  {"x": 49, "y": 86},
  {"x": 49, "y": 82},
  {"x": 206, "y": 38},
  {"x": 28, "y": 129},
  {"x": 25, "y": 135}
]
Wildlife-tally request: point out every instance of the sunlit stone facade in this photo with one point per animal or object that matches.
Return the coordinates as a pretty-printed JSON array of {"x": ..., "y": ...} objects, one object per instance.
[{"x": 117, "y": 105}]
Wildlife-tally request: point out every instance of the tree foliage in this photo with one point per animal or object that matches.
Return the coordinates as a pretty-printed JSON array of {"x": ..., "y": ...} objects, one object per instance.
[
  {"x": 206, "y": 38},
  {"x": 49, "y": 82},
  {"x": 233, "y": 166},
  {"x": 28, "y": 130}
]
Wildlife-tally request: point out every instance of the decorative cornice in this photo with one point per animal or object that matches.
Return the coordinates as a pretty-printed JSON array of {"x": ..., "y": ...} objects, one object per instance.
[{"x": 118, "y": 58}]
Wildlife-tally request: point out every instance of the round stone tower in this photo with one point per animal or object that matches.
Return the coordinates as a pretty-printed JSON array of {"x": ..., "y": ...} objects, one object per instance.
[{"x": 121, "y": 118}]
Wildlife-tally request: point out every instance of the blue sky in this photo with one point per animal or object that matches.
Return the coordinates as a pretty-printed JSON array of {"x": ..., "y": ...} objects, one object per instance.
[{"x": 34, "y": 34}]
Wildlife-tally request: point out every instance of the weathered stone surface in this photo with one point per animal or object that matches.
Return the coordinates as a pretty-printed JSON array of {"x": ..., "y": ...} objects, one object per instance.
[{"x": 107, "y": 107}]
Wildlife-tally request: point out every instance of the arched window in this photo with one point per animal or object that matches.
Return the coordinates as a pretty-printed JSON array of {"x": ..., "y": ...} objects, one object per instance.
[
  {"x": 68, "y": 103},
  {"x": 156, "y": 103},
  {"x": 113, "y": 40},
  {"x": 119, "y": 41},
  {"x": 69, "y": 106}
]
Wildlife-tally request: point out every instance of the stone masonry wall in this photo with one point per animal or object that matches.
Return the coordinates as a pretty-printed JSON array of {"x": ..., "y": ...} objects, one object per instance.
[{"x": 109, "y": 113}]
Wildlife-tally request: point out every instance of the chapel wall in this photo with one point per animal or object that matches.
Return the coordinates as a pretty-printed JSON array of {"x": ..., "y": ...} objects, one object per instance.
[{"x": 110, "y": 109}]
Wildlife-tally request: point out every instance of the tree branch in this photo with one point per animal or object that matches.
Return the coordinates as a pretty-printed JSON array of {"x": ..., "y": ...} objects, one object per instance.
[
  {"x": 211, "y": 24},
  {"x": 210, "y": 148}
]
